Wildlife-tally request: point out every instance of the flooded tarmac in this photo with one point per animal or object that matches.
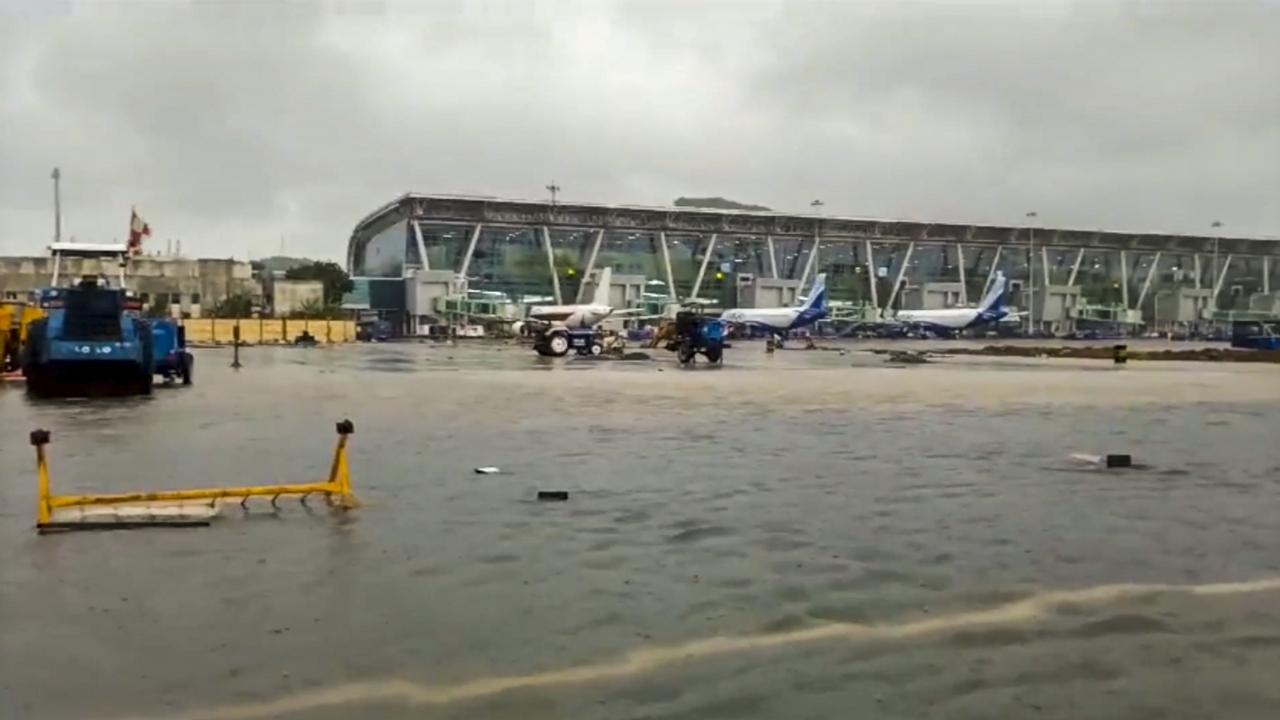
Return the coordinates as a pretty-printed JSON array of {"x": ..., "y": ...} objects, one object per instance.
[{"x": 812, "y": 534}]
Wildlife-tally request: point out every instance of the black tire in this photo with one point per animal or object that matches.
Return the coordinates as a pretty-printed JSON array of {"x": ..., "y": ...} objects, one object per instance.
[
  {"x": 146, "y": 374},
  {"x": 714, "y": 354},
  {"x": 33, "y": 353},
  {"x": 558, "y": 344},
  {"x": 686, "y": 354},
  {"x": 186, "y": 367},
  {"x": 596, "y": 348}
]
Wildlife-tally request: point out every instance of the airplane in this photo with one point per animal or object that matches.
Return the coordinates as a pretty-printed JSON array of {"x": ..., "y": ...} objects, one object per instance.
[
  {"x": 781, "y": 320},
  {"x": 577, "y": 317},
  {"x": 952, "y": 320}
]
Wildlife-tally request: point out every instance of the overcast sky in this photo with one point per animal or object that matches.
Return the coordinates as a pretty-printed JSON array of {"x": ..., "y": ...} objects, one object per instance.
[{"x": 231, "y": 124}]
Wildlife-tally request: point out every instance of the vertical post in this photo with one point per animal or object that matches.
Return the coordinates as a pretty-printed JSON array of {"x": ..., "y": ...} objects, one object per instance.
[
  {"x": 1044, "y": 263},
  {"x": 871, "y": 276},
  {"x": 773, "y": 256},
  {"x": 1124, "y": 279},
  {"x": 1266, "y": 274},
  {"x": 422, "y": 245},
  {"x": 1196, "y": 264},
  {"x": 964, "y": 291},
  {"x": 1031, "y": 280},
  {"x": 551, "y": 263},
  {"x": 1222, "y": 276},
  {"x": 44, "y": 506},
  {"x": 57, "y": 206},
  {"x": 235, "y": 345},
  {"x": 591, "y": 264},
  {"x": 811, "y": 262},
  {"x": 902, "y": 272},
  {"x": 991, "y": 272},
  {"x": 340, "y": 470},
  {"x": 471, "y": 249},
  {"x": 1075, "y": 268},
  {"x": 666, "y": 263},
  {"x": 702, "y": 269},
  {"x": 1146, "y": 284}
]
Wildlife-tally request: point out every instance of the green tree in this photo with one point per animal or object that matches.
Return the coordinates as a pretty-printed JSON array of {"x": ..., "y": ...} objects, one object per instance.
[
  {"x": 234, "y": 306},
  {"x": 335, "y": 280}
]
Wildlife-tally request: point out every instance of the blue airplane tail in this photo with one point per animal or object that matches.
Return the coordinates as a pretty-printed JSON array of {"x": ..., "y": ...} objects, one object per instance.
[
  {"x": 993, "y": 302},
  {"x": 817, "y": 300}
]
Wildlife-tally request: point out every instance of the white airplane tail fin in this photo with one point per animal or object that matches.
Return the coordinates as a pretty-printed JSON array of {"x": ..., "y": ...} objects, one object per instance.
[{"x": 604, "y": 280}]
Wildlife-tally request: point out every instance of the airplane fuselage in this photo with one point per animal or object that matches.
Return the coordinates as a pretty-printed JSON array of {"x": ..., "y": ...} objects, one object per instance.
[
  {"x": 571, "y": 316},
  {"x": 948, "y": 318}
]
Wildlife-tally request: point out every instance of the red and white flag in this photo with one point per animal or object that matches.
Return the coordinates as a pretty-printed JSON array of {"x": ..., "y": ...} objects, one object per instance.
[{"x": 138, "y": 229}]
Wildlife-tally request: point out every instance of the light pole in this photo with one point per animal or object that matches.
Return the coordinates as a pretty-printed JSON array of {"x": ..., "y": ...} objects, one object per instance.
[
  {"x": 1031, "y": 272},
  {"x": 1213, "y": 279},
  {"x": 57, "y": 205},
  {"x": 817, "y": 206},
  {"x": 553, "y": 188}
]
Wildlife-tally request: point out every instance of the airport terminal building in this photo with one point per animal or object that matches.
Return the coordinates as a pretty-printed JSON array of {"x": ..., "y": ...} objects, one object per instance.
[{"x": 423, "y": 261}]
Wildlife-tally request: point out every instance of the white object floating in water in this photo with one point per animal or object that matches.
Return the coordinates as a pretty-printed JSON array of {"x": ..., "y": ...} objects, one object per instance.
[
  {"x": 1087, "y": 459},
  {"x": 487, "y": 470}
]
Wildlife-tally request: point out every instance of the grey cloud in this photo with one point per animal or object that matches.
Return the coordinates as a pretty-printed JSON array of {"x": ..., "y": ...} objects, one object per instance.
[{"x": 231, "y": 124}]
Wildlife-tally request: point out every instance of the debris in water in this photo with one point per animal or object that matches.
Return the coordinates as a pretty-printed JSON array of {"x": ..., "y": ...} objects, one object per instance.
[
  {"x": 553, "y": 495},
  {"x": 488, "y": 470}
]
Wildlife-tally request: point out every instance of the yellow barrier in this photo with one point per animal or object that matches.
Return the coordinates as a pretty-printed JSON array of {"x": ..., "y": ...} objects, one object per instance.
[
  {"x": 337, "y": 491},
  {"x": 257, "y": 331}
]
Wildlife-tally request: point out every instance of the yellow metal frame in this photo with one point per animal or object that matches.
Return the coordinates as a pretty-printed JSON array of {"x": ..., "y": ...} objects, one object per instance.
[{"x": 337, "y": 489}]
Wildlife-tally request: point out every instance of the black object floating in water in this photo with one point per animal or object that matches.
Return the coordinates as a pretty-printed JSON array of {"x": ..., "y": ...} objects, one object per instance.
[
  {"x": 553, "y": 495},
  {"x": 1119, "y": 461}
]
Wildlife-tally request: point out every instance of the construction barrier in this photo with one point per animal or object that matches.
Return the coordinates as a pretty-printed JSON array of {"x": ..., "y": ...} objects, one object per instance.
[
  {"x": 176, "y": 507},
  {"x": 257, "y": 331}
]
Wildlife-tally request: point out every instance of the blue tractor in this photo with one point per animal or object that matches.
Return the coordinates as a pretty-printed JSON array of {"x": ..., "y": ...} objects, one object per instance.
[
  {"x": 95, "y": 342},
  {"x": 696, "y": 333}
]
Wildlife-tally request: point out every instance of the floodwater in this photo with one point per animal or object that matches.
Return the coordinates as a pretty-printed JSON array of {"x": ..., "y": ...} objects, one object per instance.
[{"x": 804, "y": 535}]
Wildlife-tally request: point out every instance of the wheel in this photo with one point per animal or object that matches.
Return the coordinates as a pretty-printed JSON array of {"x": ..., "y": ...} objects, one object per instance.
[
  {"x": 32, "y": 353},
  {"x": 186, "y": 367},
  {"x": 685, "y": 354},
  {"x": 146, "y": 373},
  {"x": 596, "y": 348},
  {"x": 558, "y": 344},
  {"x": 714, "y": 353}
]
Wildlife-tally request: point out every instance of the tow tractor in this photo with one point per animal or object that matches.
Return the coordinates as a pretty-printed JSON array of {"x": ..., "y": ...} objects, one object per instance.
[
  {"x": 557, "y": 341},
  {"x": 697, "y": 333}
]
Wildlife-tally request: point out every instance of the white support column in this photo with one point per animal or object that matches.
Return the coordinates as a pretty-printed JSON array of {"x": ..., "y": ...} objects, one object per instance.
[
  {"x": 551, "y": 264},
  {"x": 1044, "y": 263},
  {"x": 591, "y": 264},
  {"x": 422, "y": 245},
  {"x": 809, "y": 263},
  {"x": 773, "y": 256},
  {"x": 471, "y": 250},
  {"x": 702, "y": 269},
  {"x": 871, "y": 276},
  {"x": 964, "y": 290},
  {"x": 991, "y": 272},
  {"x": 1146, "y": 284},
  {"x": 1266, "y": 274},
  {"x": 1222, "y": 276},
  {"x": 1124, "y": 279},
  {"x": 1075, "y": 268},
  {"x": 1196, "y": 264},
  {"x": 666, "y": 263},
  {"x": 902, "y": 273}
]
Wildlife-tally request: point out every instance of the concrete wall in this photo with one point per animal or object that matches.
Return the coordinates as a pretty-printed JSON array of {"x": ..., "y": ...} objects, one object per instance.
[
  {"x": 931, "y": 296},
  {"x": 208, "y": 331},
  {"x": 189, "y": 285},
  {"x": 290, "y": 296},
  {"x": 762, "y": 292}
]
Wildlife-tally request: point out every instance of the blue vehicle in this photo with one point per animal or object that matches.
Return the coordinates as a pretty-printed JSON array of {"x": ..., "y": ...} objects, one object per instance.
[
  {"x": 697, "y": 333},
  {"x": 94, "y": 341},
  {"x": 1255, "y": 335},
  {"x": 169, "y": 350},
  {"x": 88, "y": 344}
]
